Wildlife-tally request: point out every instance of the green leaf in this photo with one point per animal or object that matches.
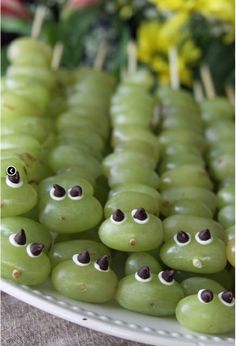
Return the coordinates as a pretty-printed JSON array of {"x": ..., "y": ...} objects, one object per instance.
[{"x": 10, "y": 24}]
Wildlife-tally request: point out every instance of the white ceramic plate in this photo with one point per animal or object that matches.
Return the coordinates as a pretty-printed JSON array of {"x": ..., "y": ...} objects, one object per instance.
[{"x": 113, "y": 320}]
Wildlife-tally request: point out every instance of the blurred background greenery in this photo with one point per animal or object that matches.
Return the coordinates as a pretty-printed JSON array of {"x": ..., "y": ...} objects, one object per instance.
[{"x": 202, "y": 31}]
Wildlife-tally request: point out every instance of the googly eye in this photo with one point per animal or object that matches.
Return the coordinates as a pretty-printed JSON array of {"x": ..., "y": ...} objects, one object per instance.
[
  {"x": 118, "y": 217},
  {"x": 143, "y": 274},
  {"x": 18, "y": 239},
  {"x": 58, "y": 193},
  {"x": 182, "y": 238},
  {"x": 75, "y": 193},
  {"x": 227, "y": 298},
  {"x": 205, "y": 296},
  {"x": 167, "y": 277},
  {"x": 102, "y": 264},
  {"x": 140, "y": 215},
  {"x": 13, "y": 180},
  {"x": 34, "y": 249},
  {"x": 82, "y": 259},
  {"x": 204, "y": 237}
]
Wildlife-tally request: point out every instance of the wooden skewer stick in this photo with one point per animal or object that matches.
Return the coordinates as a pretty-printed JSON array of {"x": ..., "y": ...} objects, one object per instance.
[
  {"x": 101, "y": 55},
  {"x": 132, "y": 58},
  {"x": 198, "y": 91},
  {"x": 174, "y": 68},
  {"x": 207, "y": 81},
  {"x": 38, "y": 21},
  {"x": 230, "y": 93},
  {"x": 57, "y": 55}
]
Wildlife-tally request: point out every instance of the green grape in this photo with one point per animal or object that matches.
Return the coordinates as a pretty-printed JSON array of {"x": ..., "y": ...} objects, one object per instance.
[
  {"x": 142, "y": 77},
  {"x": 149, "y": 296},
  {"x": 220, "y": 131},
  {"x": 34, "y": 231},
  {"x": 197, "y": 194},
  {"x": 145, "y": 189},
  {"x": 186, "y": 175},
  {"x": 203, "y": 253},
  {"x": 213, "y": 316},
  {"x": 187, "y": 207},
  {"x": 17, "y": 196},
  {"x": 217, "y": 108},
  {"x": 180, "y": 122},
  {"x": 129, "y": 200},
  {"x": 27, "y": 50},
  {"x": 91, "y": 234},
  {"x": 64, "y": 250},
  {"x": 138, "y": 146},
  {"x": 180, "y": 97},
  {"x": 182, "y": 136},
  {"x": 229, "y": 233},
  {"x": 65, "y": 156},
  {"x": 68, "y": 207},
  {"x": 225, "y": 196},
  {"x": 194, "y": 284},
  {"x": 226, "y": 216},
  {"x": 179, "y": 149},
  {"x": 222, "y": 166},
  {"x": 141, "y": 259},
  {"x": 190, "y": 224},
  {"x": 134, "y": 173},
  {"x": 24, "y": 264},
  {"x": 133, "y": 116},
  {"x": 17, "y": 105},
  {"x": 132, "y": 232},
  {"x": 178, "y": 160},
  {"x": 230, "y": 252},
  {"x": 225, "y": 147},
  {"x": 84, "y": 283},
  {"x": 21, "y": 142}
]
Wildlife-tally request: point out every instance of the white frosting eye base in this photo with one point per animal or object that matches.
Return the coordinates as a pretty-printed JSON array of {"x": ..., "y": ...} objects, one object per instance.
[
  {"x": 118, "y": 222},
  {"x": 163, "y": 281},
  {"x": 138, "y": 278},
  {"x": 203, "y": 242},
  {"x": 13, "y": 242},
  {"x": 96, "y": 266},
  {"x": 78, "y": 263},
  {"x": 30, "y": 253},
  {"x": 141, "y": 222},
  {"x": 13, "y": 185},
  {"x": 224, "y": 302},
  {"x": 182, "y": 244},
  {"x": 54, "y": 197},
  {"x": 77, "y": 198}
]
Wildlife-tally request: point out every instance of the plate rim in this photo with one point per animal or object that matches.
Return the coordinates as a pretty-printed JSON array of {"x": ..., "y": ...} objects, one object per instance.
[{"x": 104, "y": 324}]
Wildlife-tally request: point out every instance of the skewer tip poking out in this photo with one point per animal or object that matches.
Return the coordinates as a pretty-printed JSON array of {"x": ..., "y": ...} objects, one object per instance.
[
  {"x": 198, "y": 92},
  {"x": 57, "y": 55},
  {"x": 39, "y": 17},
  {"x": 101, "y": 55},
  {"x": 207, "y": 81},
  {"x": 230, "y": 93},
  {"x": 174, "y": 68},
  {"x": 132, "y": 58}
]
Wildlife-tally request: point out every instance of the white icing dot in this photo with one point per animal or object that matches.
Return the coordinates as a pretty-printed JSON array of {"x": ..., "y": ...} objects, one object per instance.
[
  {"x": 224, "y": 302},
  {"x": 141, "y": 222},
  {"x": 163, "y": 281},
  {"x": 78, "y": 263},
  {"x": 55, "y": 197},
  {"x": 14, "y": 185},
  {"x": 197, "y": 263},
  {"x": 13, "y": 242},
  {"x": 138, "y": 278},
  {"x": 203, "y": 242},
  {"x": 76, "y": 198},
  {"x": 182, "y": 244},
  {"x": 96, "y": 266}
]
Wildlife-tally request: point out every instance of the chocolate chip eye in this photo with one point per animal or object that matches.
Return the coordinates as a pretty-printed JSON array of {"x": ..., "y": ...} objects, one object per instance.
[
  {"x": 204, "y": 237},
  {"x": 140, "y": 215},
  {"x": 102, "y": 264},
  {"x": 167, "y": 277},
  {"x": 35, "y": 249},
  {"x": 58, "y": 192},
  {"x": 182, "y": 238},
  {"x": 82, "y": 259},
  {"x": 205, "y": 296},
  {"x": 18, "y": 239},
  {"x": 227, "y": 298},
  {"x": 75, "y": 192},
  {"x": 118, "y": 216},
  {"x": 143, "y": 274},
  {"x": 14, "y": 180}
]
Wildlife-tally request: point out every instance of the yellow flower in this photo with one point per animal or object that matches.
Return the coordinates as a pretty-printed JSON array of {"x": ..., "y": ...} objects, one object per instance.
[
  {"x": 219, "y": 9},
  {"x": 148, "y": 40},
  {"x": 175, "y": 5}
]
